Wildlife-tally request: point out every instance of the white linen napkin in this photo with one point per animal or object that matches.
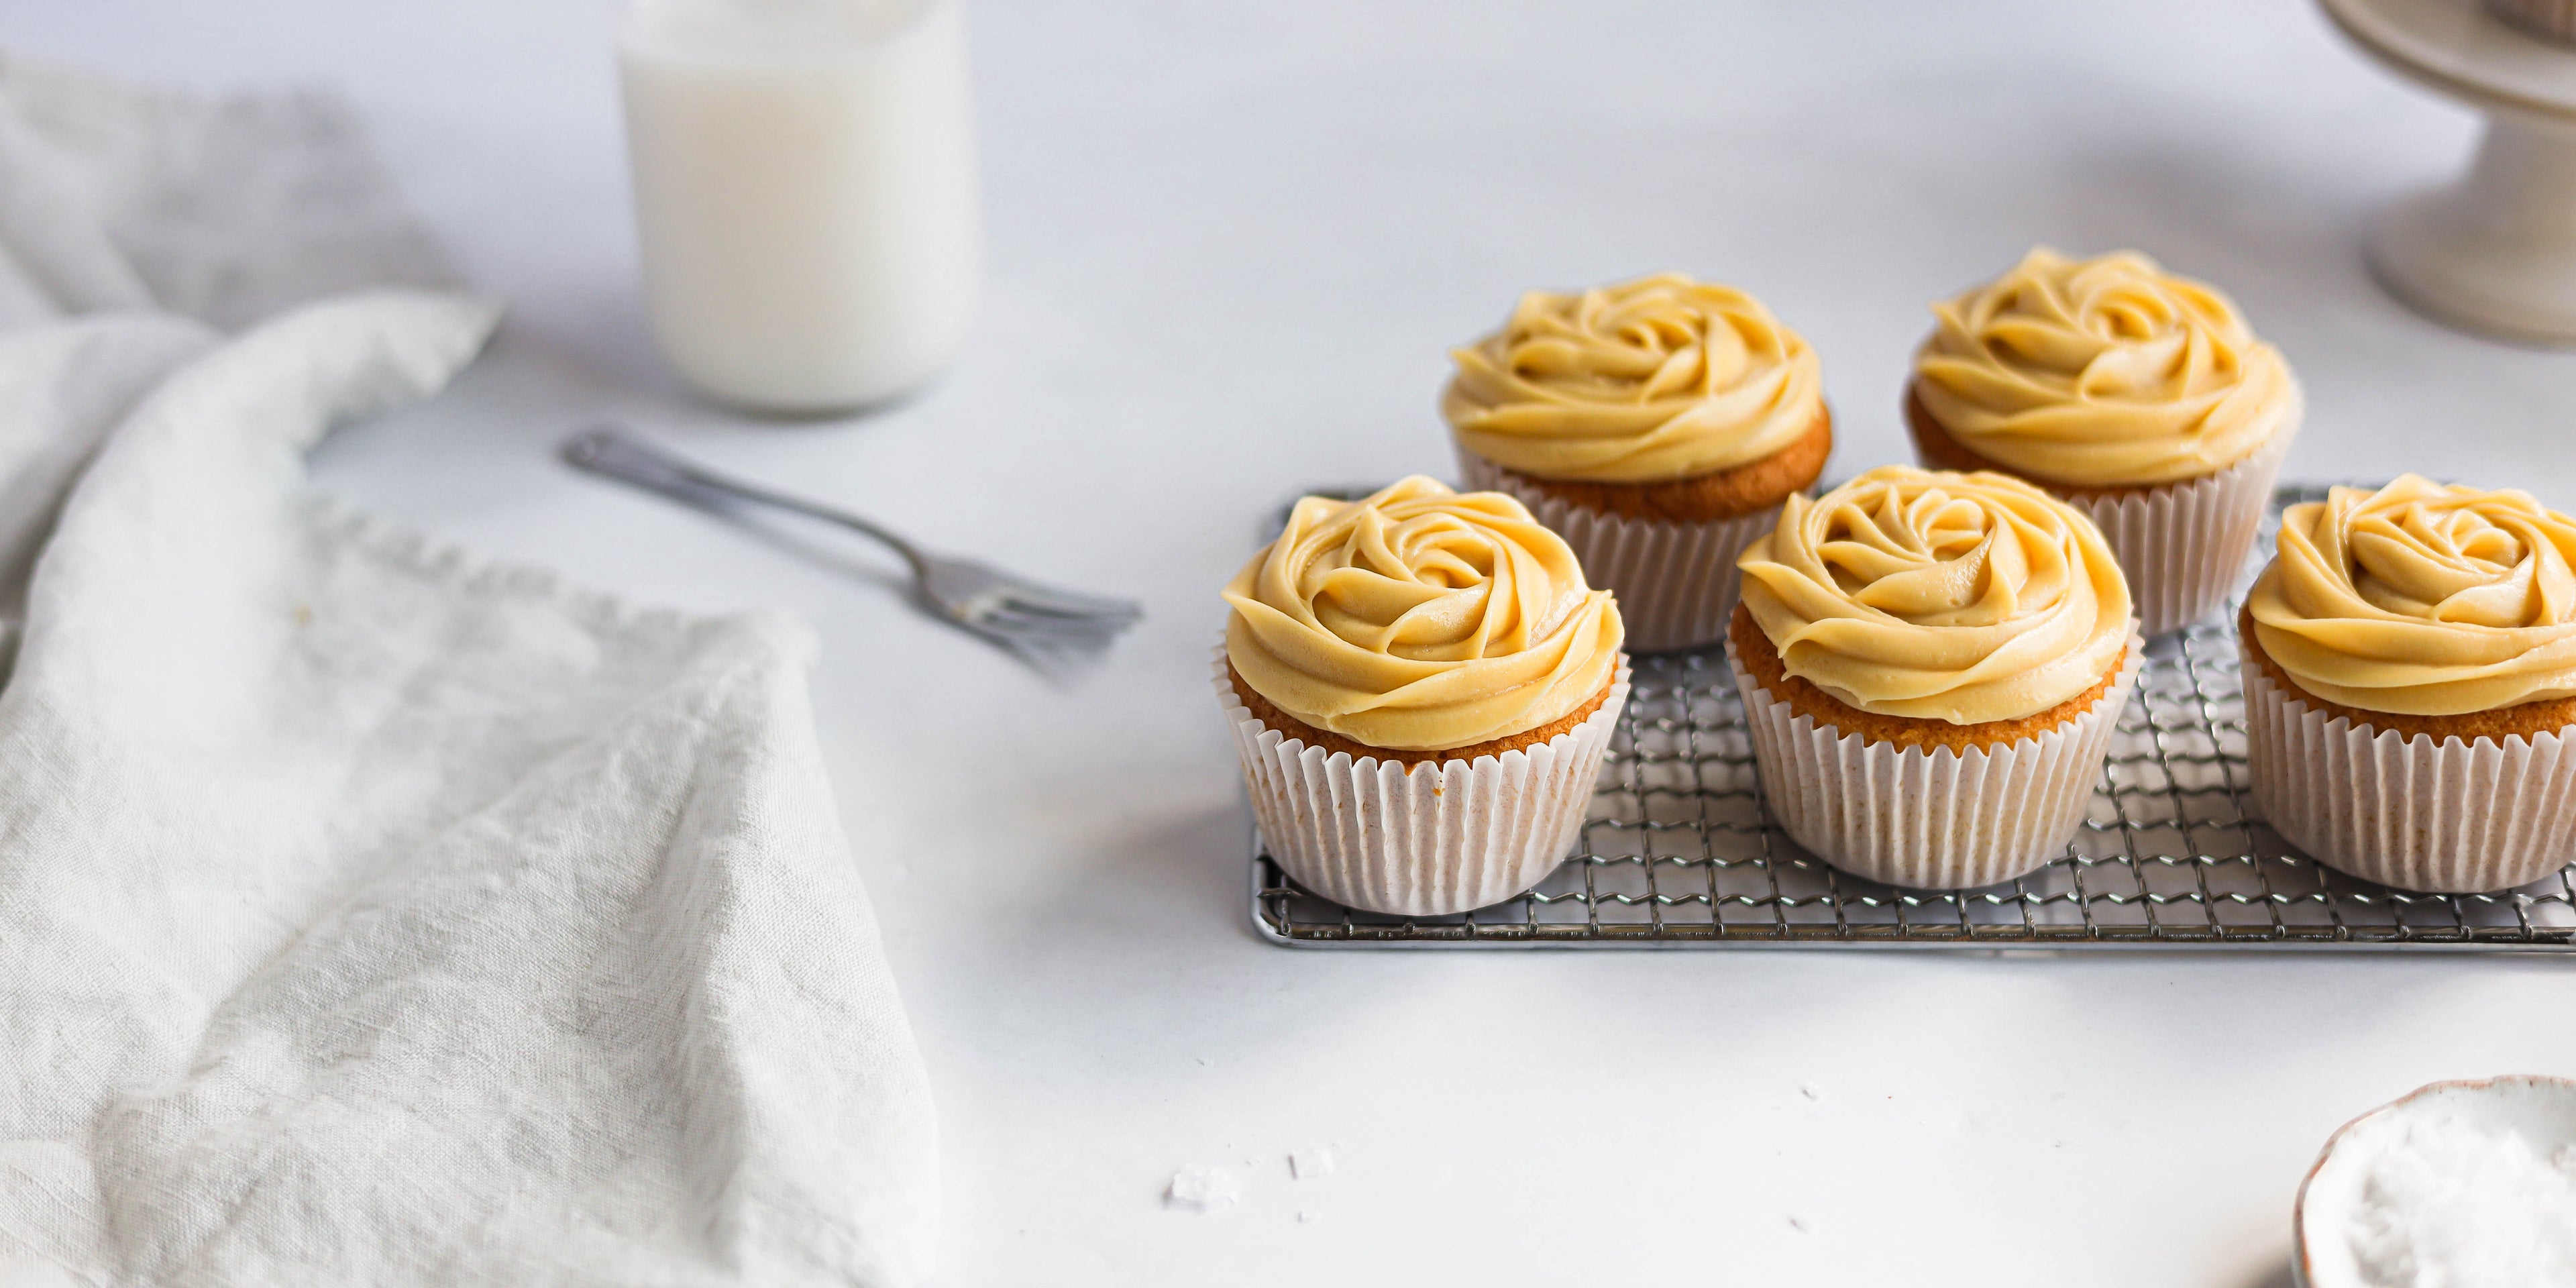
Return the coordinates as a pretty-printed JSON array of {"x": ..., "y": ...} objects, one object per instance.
[{"x": 370, "y": 913}]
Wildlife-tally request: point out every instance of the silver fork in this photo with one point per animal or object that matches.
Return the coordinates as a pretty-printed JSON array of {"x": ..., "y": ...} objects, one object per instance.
[{"x": 1008, "y": 609}]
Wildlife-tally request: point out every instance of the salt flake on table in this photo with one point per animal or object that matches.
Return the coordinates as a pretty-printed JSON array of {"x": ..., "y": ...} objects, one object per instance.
[
  {"x": 1202, "y": 1190},
  {"x": 1307, "y": 1164}
]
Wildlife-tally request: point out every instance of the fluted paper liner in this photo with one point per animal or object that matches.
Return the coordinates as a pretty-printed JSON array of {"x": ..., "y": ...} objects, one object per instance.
[
  {"x": 1940, "y": 819},
  {"x": 2183, "y": 545},
  {"x": 1676, "y": 582},
  {"x": 2454, "y": 817},
  {"x": 1425, "y": 840}
]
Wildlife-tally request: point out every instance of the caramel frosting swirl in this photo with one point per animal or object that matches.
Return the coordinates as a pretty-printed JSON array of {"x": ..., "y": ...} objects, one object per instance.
[
  {"x": 1934, "y": 596},
  {"x": 1420, "y": 619},
  {"x": 1648, "y": 381},
  {"x": 2104, "y": 372},
  {"x": 2421, "y": 599}
]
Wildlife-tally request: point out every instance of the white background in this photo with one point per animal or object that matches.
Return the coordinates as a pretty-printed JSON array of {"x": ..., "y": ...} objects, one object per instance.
[{"x": 1229, "y": 246}]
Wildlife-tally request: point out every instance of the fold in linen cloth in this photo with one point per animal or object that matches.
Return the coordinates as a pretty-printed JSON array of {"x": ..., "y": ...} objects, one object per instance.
[
  {"x": 227, "y": 209},
  {"x": 371, "y": 913}
]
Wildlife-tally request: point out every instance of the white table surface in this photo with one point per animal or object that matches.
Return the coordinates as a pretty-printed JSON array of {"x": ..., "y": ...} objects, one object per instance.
[{"x": 1229, "y": 245}]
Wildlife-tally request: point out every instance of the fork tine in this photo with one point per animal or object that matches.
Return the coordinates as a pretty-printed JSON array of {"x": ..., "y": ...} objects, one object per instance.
[
  {"x": 1009, "y": 616},
  {"x": 1057, "y": 659},
  {"x": 1069, "y": 603}
]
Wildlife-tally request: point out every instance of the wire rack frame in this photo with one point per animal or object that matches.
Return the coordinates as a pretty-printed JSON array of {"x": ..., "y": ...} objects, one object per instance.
[{"x": 1679, "y": 852}]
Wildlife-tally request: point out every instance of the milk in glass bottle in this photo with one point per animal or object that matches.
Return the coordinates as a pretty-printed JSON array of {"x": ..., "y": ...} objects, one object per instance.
[{"x": 805, "y": 190}]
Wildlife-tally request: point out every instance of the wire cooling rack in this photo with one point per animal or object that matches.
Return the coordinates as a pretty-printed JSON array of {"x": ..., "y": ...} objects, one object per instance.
[{"x": 1679, "y": 851}]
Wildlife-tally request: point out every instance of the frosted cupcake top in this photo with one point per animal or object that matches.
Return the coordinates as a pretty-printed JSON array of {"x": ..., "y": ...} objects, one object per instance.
[
  {"x": 1935, "y": 596},
  {"x": 2104, "y": 372},
  {"x": 2421, "y": 599},
  {"x": 1652, "y": 380},
  {"x": 1420, "y": 619}
]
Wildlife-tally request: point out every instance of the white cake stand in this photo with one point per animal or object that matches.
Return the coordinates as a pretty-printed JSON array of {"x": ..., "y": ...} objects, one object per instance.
[{"x": 2495, "y": 250}]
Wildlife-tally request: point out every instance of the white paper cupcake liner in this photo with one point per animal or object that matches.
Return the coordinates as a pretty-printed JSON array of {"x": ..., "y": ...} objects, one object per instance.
[
  {"x": 1940, "y": 819},
  {"x": 2183, "y": 545},
  {"x": 1675, "y": 582},
  {"x": 2453, "y": 816},
  {"x": 1424, "y": 840}
]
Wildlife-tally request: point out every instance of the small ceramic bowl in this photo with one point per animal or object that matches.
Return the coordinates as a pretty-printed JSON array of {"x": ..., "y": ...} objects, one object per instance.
[{"x": 2543, "y": 1110}]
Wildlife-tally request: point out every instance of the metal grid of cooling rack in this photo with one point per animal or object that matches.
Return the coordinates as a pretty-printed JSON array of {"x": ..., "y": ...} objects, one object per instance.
[{"x": 1679, "y": 852}]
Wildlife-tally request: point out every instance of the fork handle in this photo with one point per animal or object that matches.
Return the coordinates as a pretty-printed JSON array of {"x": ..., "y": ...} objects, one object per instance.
[{"x": 611, "y": 452}]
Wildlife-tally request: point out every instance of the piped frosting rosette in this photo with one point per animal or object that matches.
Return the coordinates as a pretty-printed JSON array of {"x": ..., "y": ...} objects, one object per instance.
[
  {"x": 1972, "y": 601},
  {"x": 1967, "y": 598},
  {"x": 1650, "y": 381},
  {"x": 1421, "y": 687},
  {"x": 1420, "y": 619},
  {"x": 1660, "y": 378},
  {"x": 2428, "y": 635},
  {"x": 2143, "y": 396},
  {"x": 2106, "y": 372},
  {"x": 2422, "y": 599}
]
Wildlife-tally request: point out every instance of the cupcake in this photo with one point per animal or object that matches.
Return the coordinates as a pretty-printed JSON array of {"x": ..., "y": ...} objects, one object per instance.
[
  {"x": 1931, "y": 666},
  {"x": 2141, "y": 398},
  {"x": 2410, "y": 685},
  {"x": 1656, "y": 424},
  {"x": 1421, "y": 687}
]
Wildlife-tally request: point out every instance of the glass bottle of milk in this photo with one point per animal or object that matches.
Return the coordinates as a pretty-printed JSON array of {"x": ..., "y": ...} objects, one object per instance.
[{"x": 805, "y": 189}]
